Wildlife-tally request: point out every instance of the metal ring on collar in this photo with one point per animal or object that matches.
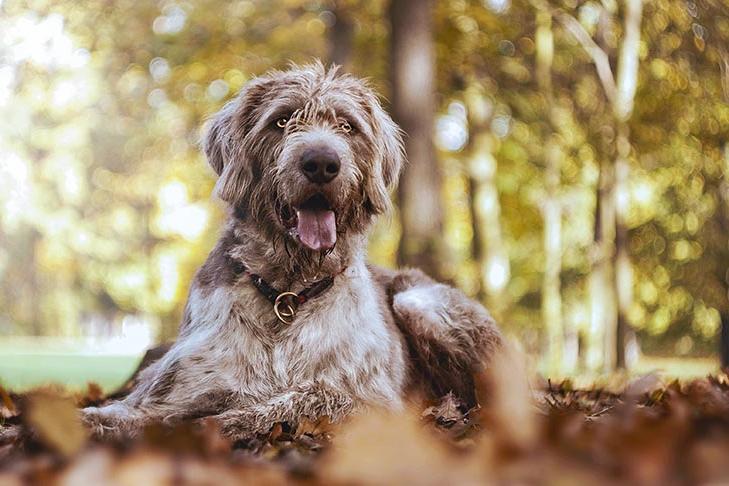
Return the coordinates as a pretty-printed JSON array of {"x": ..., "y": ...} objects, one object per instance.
[{"x": 286, "y": 313}]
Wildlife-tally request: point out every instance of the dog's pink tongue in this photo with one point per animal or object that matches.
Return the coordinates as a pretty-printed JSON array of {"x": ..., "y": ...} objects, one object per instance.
[{"x": 317, "y": 228}]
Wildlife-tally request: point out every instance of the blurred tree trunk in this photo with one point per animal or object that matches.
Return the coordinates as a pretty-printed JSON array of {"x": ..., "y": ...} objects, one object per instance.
[
  {"x": 551, "y": 206},
  {"x": 412, "y": 68},
  {"x": 31, "y": 311},
  {"x": 341, "y": 36},
  {"x": 551, "y": 284},
  {"x": 493, "y": 259},
  {"x": 477, "y": 126},
  {"x": 621, "y": 259},
  {"x": 602, "y": 299},
  {"x": 488, "y": 247},
  {"x": 477, "y": 250},
  {"x": 611, "y": 276},
  {"x": 724, "y": 342},
  {"x": 723, "y": 211},
  {"x": 601, "y": 291},
  {"x": 627, "y": 82}
]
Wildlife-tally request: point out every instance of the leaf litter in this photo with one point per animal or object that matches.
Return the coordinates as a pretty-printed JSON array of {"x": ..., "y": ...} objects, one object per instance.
[{"x": 523, "y": 432}]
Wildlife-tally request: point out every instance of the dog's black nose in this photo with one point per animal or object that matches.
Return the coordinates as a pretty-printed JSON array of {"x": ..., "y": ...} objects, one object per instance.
[{"x": 320, "y": 164}]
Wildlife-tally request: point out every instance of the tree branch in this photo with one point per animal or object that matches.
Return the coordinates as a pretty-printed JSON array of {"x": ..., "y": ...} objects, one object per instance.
[
  {"x": 599, "y": 56},
  {"x": 629, "y": 58},
  {"x": 724, "y": 67}
]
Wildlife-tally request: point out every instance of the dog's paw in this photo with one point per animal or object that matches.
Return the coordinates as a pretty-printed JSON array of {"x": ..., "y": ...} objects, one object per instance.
[
  {"x": 317, "y": 402},
  {"x": 111, "y": 421},
  {"x": 240, "y": 425},
  {"x": 94, "y": 421}
]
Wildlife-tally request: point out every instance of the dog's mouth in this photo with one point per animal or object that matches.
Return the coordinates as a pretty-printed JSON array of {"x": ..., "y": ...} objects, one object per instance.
[{"x": 312, "y": 222}]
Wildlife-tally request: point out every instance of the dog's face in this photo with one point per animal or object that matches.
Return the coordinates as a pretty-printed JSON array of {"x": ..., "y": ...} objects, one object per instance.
[{"x": 307, "y": 153}]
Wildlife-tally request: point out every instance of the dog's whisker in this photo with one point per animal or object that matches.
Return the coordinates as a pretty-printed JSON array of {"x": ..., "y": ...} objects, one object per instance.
[{"x": 330, "y": 250}]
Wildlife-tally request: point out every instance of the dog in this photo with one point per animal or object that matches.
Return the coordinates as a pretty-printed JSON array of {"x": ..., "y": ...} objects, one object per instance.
[{"x": 286, "y": 319}]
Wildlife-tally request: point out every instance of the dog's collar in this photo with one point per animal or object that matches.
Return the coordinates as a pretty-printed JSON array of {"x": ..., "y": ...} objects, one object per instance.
[{"x": 285, "y": 304}]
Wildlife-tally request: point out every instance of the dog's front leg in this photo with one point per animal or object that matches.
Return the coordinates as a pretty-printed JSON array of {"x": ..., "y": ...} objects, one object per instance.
[
  {"x": 168, "y": 391},
  {"x": 310, "y": 402}
]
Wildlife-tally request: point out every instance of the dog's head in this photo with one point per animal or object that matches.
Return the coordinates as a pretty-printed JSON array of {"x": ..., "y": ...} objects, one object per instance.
[{"x": 308, "y": 153}]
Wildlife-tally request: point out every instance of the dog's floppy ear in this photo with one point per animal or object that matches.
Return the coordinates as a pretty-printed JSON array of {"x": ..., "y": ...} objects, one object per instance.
[
  {"x": 224, "y": 142},
  {"x": 391, "y": 154},
  {"x": 216, "y": 142}
]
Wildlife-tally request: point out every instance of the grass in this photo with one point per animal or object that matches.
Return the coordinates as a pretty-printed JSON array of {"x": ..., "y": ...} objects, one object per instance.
[
  {"x": 681, "y": 368},
  {"x": 21, "y": 372},
  {"x": 27, "y": 363}
]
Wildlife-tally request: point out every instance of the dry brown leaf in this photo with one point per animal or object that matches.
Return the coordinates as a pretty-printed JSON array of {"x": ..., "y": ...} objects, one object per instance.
[
  {"x": 643, "y": 385},
  {"x": 146, "y": 467},
  {"x": 93, "y": 467},
  {"x": 56, "y": 420},
  {"x": 314, "y": 428},
  {"x": 276, "y": 432},
  {"x": 192, "y": 471},
  {"x": 94, "y": 393},
  {"x": 382, "y": 448},
  {"x": 10, "y": 480},
  {"x": 511, "y": 409},
  {"x": 203, "y": 438},
  {"x": 447, "y": 412},
  {"x": 305, "y": 426},
  {"x": 708, "y": 461},
  {"x": 8, "y": 406},
  {"x": 10, "y": 434}
]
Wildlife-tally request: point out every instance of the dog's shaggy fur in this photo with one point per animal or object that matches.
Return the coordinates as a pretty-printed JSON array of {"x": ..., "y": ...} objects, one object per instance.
[{"x": 372, "y": 339}]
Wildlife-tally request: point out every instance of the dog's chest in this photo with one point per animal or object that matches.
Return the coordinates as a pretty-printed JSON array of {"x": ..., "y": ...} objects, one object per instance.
[{"x": 340, "y": 339}]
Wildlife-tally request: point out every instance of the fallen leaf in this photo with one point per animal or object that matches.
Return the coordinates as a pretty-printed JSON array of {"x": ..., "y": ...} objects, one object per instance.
[
  {"x": 510, "y": 409},
  {"x": 383, "y": 448},
  {"x": 643, "y": 385},
  {"x": 8, "y": 406},
  {"x": 447, "y": 412},
  {"x": 56, "y": 421}
]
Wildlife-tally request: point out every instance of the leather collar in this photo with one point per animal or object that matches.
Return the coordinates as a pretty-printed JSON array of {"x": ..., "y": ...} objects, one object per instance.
[{"x": 285, "y": 304}]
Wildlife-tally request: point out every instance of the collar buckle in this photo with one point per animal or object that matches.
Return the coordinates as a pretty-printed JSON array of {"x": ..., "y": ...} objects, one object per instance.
[{"x": 285, "y": 306}]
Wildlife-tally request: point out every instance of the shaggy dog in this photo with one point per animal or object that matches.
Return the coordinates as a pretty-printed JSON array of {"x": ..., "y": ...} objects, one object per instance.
[{"x": 286, "y": 319}]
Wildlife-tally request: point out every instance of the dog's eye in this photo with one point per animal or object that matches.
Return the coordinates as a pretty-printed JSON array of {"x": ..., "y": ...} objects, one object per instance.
[
  {"x": 281, "y": 122},
  {"x": 345, "y": 126}
]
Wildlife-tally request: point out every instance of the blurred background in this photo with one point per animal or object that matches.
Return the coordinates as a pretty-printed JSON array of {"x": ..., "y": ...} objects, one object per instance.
[{"x": 569, "y": 167}]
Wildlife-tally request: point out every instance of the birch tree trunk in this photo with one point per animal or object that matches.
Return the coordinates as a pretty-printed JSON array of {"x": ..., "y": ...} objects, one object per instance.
[
  {"x": 412, "y": 68},
  {"x": 488, "y": 249},
  {"x": 621, "y": 258},
  {"x": 602, "y": 299},
  {"x": 627, "y": 82},
  {"x": 494, "y": 262},
  {"x": 551, "y": 206},
  {"x": 611, "y": 276},
  {"x": 551, "y": 284}
]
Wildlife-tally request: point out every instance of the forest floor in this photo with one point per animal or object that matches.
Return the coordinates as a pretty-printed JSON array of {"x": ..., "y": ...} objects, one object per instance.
[{"x": 527, "y": 431}]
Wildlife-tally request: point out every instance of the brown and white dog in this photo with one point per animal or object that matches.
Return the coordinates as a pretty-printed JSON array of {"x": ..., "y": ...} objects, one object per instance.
[{"x": 286, "y": 319}]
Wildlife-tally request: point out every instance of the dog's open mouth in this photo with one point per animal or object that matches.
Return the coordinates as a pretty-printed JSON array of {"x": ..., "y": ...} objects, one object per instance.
[{"x": 314, "y": 223}]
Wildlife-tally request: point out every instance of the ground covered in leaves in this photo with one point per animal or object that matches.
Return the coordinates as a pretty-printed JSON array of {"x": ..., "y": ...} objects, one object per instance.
[{"x": 525, "y": 432}]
